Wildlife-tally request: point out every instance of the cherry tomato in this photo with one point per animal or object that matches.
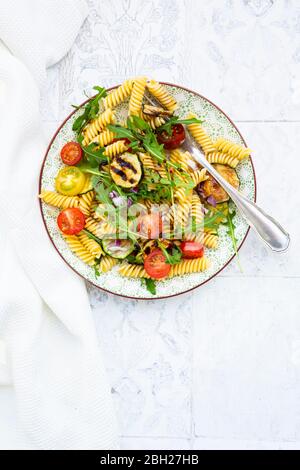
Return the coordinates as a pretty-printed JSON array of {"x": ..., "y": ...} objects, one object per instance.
[
  {"x": 150, "y": 225},
  {"x": 192, "y": 249},
  {"x": 71, "y": 153},
  {"x": 155, "y": 264},
  {"x": 174, "y": 140},
  {"x": 71, "y": 221},
  {"x": 69, "y": 181}
]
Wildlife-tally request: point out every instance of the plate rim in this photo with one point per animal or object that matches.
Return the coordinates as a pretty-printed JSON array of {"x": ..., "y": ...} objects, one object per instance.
[{"x": 107, "y": 290}]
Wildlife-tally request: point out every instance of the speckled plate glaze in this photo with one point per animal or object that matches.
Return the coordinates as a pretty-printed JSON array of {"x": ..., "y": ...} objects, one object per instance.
[{"x": 217, "y": 124}]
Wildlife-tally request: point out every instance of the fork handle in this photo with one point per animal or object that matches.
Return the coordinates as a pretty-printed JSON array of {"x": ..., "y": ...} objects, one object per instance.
[{"x": 269, "y": 230}]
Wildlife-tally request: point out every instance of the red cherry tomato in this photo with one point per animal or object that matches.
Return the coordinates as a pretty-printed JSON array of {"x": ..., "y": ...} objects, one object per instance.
[
  {"x": 192, "y": 249},
  {"x": 71, "y": 153},
  {"x": 174, "y": 140},
  {"x": 155, "y": 264},
  {"x": 71, "y": 221},
  {"x": 150, "y": 225}
]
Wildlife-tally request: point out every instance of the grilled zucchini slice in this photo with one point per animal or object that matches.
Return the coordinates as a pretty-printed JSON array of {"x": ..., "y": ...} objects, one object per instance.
[
  {"x": 119, "y": 249},
  {"x": 126, "y": 170}
]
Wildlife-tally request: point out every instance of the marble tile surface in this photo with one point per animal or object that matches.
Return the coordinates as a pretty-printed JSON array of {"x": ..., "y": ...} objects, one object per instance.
[{"x": 219, "y": 367}]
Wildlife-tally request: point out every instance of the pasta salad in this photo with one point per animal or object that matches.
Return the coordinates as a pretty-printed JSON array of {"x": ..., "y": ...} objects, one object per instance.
[{"x": 130, "y": 195}]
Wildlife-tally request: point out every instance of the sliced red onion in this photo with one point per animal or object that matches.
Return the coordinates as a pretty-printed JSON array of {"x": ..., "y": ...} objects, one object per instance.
[
  {"x": 118, "y": 242},
  {"x": 129, "y": 202},
  {"x": 119, "y": 201},
  {"x": 113, "y": 194},
  {"x": 200, "y": 191},
  {"x": 134, "y": 190},
  {"x": 204, "y": 210},
  {"x": 211, "y": 200}
]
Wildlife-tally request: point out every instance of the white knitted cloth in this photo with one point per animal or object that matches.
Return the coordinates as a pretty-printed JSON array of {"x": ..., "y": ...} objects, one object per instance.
[{"x": 46, "y": 326}]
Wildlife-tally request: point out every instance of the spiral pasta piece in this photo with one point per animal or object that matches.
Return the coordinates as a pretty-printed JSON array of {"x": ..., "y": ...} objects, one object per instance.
[
  {"x": 92, "y": 226},
  {"x": 149, "y": 163},
  {"x": 104, "y": 138},
  {"x": 234, "y": 150},
  {"x": 180, "y": 158},
  {"x": 106, "y": 263},
  {"x": 223, "y": 158},
  {"x": 79, "y": 250},
  {"x": 137, "y": 95},
  {"x": 200, "y": 136},
  {"x": 58, "y": 200},
  {"x": 198, "y": 176},
  {"x": 160, "y": 93},
  {"x": 181, "y": 215},
  {"x": 115, "y": 149},
  {"x": 119, "y": 95},
  {"x": 90, "y": 245},
  {"x": 154, "y": 121},
  {"x": 181, "y": 195},
  {"x": 187, "y": 266},
  {"x": 85, "y": 202},
  {"x": 133, "y": 270},
  {"x": 211, "y": 241},
  {"x": 97, "y": 125}
]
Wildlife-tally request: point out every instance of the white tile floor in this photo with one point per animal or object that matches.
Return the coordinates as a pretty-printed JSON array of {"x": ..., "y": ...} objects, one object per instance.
[{"x": 218, "y": 368}]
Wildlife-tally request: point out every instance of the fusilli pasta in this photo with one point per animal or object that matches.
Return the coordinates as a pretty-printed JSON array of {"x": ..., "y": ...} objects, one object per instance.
[
  {"x": 115, "y": 149},
  {"x": 119, "y": 95},
  {"x": 161, "y": 94},
  {"x": 79, "y": 250},
  {"x": 187, "y": 266},
  {"x": 234, "y": 150},
  {"x": 91, "y": 245},
  {"x": 211, "y": 241},
  {"x": 85, "y": 202},
  {"x": 223, "y": 158},
  {"x": 201, "y": 137},
  {"x": 136, "y": 98},
  {"x": 106, "y": 263},
  {"x": 58, "y": 200},
  {"x": 104, "y": 138},
  {"x": 97, "y": 125},
  {"x": 133, "y": 270}
]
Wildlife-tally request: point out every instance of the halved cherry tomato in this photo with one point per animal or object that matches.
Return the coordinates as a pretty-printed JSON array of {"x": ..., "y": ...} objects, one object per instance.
[
  {"x": 71, "y": 221},
  {"x": 174, "y": 140},
  {"x": 192, "y": 249},
  {"x": 155, "y": 264},
  {"x": 69, "y": 181},
  {"x": 71, "y": 153},
  {"x": 150, "y": 225}
]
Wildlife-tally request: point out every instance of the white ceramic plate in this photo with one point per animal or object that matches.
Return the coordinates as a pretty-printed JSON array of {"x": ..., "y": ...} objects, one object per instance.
[{"x": 217, "y": 124}]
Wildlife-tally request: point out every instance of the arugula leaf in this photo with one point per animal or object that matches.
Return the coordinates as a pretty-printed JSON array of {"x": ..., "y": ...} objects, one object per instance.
[
  {"x": 94, "y": 155},
  {"x": 176, "y": 120},
  {"x": 96, "y": 270},
  {"x": 102, "y": 194},
  {"x": 92, "y": 236},
  {"x": 121, "y": 132},
  {"x": 91, "y": 110},
  {"x": 171, "y": 258},
  {"x": 231, "y": 231},
  {"x": 134, "y": 259},
  {"x": 149, "y": 284},
  {"x": 135, "y": 122},
  {"x": 153, "y": 147},
  {"x": 230, "y": 228}
]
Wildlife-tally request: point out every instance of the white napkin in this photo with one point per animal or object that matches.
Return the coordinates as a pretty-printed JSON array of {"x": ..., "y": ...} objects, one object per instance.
[{"x": 46, "y": 326}]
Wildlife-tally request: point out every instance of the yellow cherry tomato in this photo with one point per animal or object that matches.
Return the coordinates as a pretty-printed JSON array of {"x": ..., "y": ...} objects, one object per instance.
[{"x": 69, "y": 181}]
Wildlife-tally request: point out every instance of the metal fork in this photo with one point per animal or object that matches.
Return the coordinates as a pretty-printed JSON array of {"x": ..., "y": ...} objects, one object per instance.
[{"x": 269, "y": 230}]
